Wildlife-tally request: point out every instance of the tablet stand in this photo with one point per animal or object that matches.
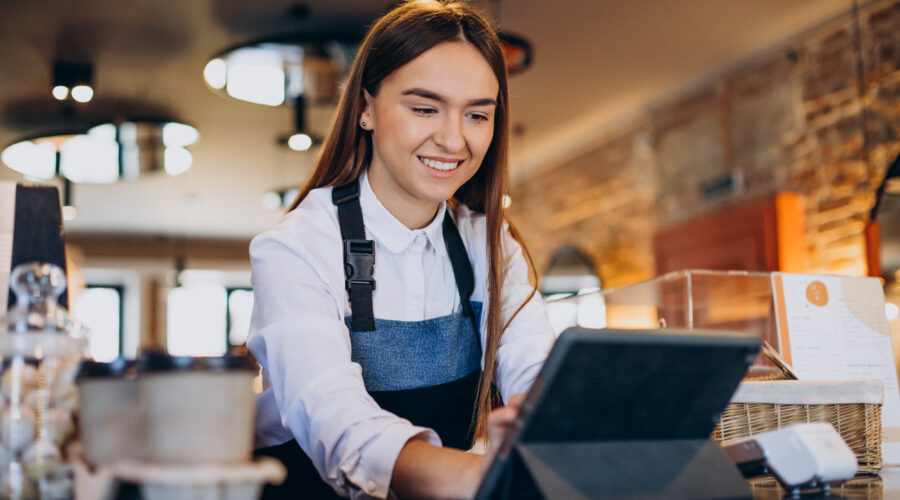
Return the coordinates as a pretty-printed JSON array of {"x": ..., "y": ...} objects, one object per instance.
[{"x": 662, "y": 469}]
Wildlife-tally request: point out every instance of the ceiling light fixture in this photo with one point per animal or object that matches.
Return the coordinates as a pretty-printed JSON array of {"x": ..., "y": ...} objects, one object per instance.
[
  {"x": 277, "y": 72},
  {"x": 517, "y": 52},
  {"x": 105, "y": 152},
  {"x": 286, "y": 71},
  {"x": 300, "y": 140},
  {"x": 72, "y": 79},
  {"x": 60, "y": 92},
  {"x": 82, "y": 93}
]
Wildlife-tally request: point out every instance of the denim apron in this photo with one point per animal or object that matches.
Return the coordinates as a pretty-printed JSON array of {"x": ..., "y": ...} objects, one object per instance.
[{"x": 424, "y": 371}]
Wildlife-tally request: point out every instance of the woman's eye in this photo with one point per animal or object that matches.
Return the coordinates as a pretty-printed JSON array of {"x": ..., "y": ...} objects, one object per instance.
[
  {"x": 424, "y": 111},
  {"x": 478, "y": 117}
]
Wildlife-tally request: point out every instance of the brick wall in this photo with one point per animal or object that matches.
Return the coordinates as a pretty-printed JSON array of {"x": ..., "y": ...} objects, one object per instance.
[{"x": 787, "y": 121}]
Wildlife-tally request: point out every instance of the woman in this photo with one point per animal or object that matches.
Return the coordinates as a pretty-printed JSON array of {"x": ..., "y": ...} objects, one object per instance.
[{"x": 374, "y": 381}]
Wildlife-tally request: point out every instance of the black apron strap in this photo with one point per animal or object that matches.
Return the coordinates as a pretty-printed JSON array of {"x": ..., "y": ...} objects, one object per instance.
[
  {"x": 349, "y": 212},
  {"x": 359, "y": 260},
  {"x": 359, "y": 257},
  {"x": 462, "y": 268}
]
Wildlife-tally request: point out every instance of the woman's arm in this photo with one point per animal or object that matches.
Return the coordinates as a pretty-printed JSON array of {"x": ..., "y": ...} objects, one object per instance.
[{"x": 423, "y": 470}]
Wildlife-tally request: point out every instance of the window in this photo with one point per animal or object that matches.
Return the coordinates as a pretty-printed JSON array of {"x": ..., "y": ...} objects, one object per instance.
[
  {"x": 207, "y": 319},
  {"x": 196, "y": 321},
  {"x": 571, "y": 290},
  {"x": 240, "y": 305},
  {"x": 99, "y": 307}
]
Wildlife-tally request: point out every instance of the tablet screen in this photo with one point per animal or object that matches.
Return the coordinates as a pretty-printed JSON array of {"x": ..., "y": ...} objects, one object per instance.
[{"x": 608, "y": 385}]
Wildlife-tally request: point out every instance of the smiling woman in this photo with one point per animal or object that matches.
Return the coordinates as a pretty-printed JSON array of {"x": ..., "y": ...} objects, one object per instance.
[{"x": 382, "y": 388}]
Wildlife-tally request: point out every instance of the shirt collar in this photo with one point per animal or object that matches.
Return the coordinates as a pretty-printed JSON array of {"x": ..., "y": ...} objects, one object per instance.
[{"x": 389, "y": 231}]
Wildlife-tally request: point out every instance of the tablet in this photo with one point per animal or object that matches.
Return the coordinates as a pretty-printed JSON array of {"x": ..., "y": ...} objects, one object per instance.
[{"x": 628, "y": 385}]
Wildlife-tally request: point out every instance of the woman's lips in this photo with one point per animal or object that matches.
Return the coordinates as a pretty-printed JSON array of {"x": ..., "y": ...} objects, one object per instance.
[{"x": 441, "y": 164}]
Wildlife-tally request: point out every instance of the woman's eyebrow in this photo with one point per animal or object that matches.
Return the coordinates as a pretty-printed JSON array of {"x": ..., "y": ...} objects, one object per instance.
[{"x": 427, "y": 94}]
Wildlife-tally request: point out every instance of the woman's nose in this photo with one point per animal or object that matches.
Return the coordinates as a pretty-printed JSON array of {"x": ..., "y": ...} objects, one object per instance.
[{"x": 450, "y": 135}]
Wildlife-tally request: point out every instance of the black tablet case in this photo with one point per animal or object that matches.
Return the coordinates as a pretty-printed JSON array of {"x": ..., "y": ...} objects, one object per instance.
[{"x": 625, "y": 414}]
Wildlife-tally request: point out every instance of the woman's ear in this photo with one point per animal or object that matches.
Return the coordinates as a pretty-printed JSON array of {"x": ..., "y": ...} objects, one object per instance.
[{"x": 366, "y": 121}]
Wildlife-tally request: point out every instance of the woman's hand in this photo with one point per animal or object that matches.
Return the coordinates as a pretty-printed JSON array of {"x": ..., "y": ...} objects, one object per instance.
[
  {"x": 498, "y": 424},
  {"x": 423, "y": 470}
]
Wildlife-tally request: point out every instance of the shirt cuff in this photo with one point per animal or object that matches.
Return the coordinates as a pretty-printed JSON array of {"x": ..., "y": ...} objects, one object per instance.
[{"x": 374, "y": 477}]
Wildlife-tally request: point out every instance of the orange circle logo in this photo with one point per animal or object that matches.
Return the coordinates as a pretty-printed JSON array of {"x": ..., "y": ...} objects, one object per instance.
[{"x": 817, "y": 294}]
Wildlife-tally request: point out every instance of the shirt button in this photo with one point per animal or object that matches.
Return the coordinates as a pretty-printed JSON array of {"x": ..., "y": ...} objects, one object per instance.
[
  {"x": 420, "y": 239},
  {"x": 370, "y": 487}
]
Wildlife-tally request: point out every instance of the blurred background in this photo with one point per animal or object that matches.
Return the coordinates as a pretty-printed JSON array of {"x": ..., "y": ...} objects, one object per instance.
[{"x": 647, "y": 136}]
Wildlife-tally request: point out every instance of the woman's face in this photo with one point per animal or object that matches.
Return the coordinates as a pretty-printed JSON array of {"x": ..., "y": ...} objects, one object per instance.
[{"x": 432, "y": 122}]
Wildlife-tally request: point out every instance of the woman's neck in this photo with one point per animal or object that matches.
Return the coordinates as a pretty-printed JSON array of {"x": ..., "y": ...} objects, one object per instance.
[{"x": 412, "y": 212}]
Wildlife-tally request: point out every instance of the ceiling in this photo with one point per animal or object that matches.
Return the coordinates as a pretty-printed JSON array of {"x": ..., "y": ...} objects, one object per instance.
[{"x": 596, "y": 64}]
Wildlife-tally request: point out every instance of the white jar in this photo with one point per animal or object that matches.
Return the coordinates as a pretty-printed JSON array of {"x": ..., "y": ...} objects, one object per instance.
[
  {"x": 197, "y": 410},
  {"x": 111, "y": 415}
]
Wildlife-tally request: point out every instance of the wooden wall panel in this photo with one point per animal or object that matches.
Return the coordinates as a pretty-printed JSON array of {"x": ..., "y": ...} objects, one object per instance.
[{"x": 761, "y": 235}]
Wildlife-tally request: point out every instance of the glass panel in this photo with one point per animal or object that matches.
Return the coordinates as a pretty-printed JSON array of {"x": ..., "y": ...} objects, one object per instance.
[
  {"x": 99, "y": 309},
  {"x": 196, "y": 321},
  {"x": 240, "y": 305}
]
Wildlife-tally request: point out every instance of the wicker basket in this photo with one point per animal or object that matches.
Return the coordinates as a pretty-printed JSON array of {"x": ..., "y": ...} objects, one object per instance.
[
  {"x": 853, "y": 408},
  {"x": 859, "y": 488}
]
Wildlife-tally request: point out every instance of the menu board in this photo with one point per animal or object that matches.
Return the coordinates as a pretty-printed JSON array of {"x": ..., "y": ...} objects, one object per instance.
[
  {"x": 7, "y": 225},
  {"x": 835, "y": 328}
]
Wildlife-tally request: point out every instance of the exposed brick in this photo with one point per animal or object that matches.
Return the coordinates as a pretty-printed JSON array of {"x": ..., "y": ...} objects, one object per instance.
[{"x": 791, "y": 121}]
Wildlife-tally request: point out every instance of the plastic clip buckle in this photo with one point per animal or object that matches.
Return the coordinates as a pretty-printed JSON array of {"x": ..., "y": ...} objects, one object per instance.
[{"x": 359, "y": 263}]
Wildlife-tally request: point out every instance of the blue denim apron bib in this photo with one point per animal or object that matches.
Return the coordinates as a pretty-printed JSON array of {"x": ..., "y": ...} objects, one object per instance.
[{"x": 424, "y": 371}]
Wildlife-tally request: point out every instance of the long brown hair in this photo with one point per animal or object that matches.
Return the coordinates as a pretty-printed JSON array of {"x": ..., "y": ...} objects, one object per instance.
[{"x": 394, "y": 40}]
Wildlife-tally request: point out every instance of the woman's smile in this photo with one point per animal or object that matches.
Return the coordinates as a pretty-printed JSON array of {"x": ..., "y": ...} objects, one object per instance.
[{"x": 440, "y": 167}]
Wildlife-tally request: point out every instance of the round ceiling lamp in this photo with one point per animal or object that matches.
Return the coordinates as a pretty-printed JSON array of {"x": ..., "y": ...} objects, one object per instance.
[
  {"x": 286, "y": 71},
  {"x": 104, "y": 153},
  {"x": 280, "y": 71}
]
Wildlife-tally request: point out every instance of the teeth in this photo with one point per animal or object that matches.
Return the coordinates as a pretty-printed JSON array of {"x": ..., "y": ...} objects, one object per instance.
[{"x": 439, "y": 165}]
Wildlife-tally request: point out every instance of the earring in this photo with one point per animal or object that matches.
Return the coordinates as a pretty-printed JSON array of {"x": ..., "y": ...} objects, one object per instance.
[{"x": 363, "y": 124}]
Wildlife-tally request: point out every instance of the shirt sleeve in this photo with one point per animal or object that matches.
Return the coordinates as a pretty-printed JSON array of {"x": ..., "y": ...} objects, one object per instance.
[
  {"x": 298, "y": 336},
  {"x": 527, "y": 341}
]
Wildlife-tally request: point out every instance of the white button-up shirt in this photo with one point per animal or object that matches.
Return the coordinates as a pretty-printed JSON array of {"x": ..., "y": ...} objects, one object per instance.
[{"x": 314, "y": 393}]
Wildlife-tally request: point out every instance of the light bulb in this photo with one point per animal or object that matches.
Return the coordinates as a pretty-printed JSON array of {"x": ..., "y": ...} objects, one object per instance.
[
  {"x": 60, "y": 92},
  {"x": 82, "y": 93},
  {"x": 300, "y": 142},
  {"x": 215, "y": 73}
]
